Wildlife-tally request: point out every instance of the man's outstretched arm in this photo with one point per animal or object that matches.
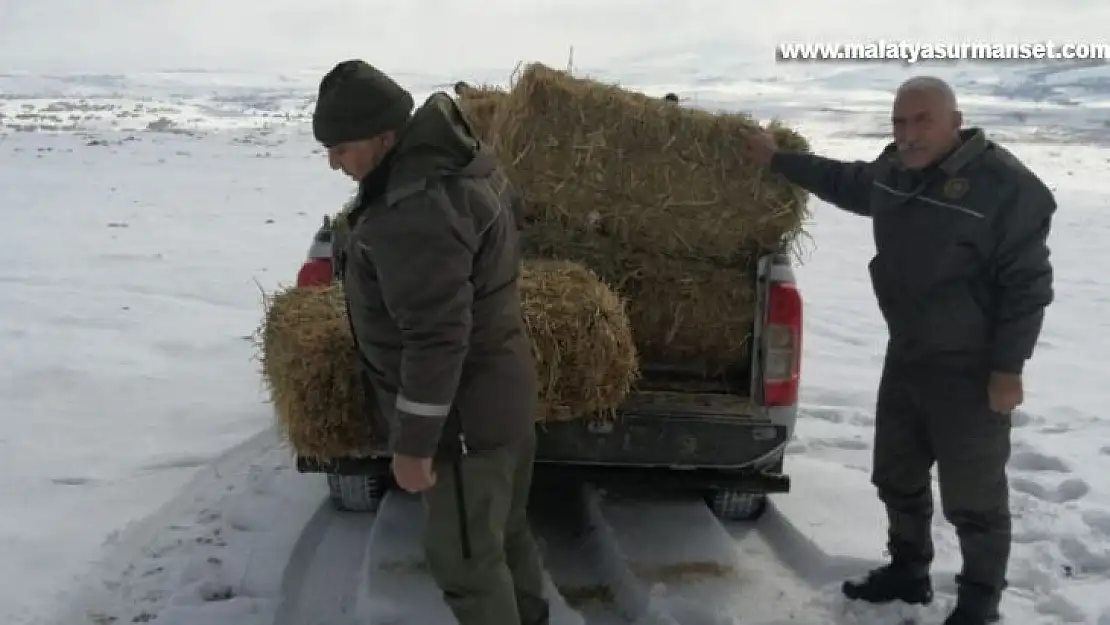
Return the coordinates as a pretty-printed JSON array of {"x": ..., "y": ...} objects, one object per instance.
[{"x": 844, "y": 184}]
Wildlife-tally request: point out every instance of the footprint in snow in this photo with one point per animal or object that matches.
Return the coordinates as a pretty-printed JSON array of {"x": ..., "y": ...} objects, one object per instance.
[
  {"x": 211, "y": 591},
  {"x": 1060, "y": 607},
  {"x": 823, "y": 413},
  {"x": 851, "y": 444},
  {"x": 181, "y": 462},
  {"x": 73, "y": 481},
  {"x": 1097, "y": 520},
  {"x": 1071, "y": 489},
  {"x": 1035, "y": 461},
  {"x": 1031, "y": 535},
  {"x": 1020, "y": 418},
  {"x": 1084, "y": 559},
  {"x": 846, "y": 416}
]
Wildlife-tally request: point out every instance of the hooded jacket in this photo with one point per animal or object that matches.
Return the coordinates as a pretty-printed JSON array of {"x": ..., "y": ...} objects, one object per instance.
[{"x": 430, "y": 271}]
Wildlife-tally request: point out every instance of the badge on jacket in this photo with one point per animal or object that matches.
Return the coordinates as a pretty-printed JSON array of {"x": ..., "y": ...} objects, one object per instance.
[{"x": 955, "y": 188}]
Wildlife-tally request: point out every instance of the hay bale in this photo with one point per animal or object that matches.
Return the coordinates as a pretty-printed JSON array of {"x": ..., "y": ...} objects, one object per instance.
[
  {"x": 309, "y": 365},
  {"x": 581, "y": 339},
  {"x": 658, "y": 177},
  {"x": 479, "y": 105},
  {"x": 693, "y": 314}
]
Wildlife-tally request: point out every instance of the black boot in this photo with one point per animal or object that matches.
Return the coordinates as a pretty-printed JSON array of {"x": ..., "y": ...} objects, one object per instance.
[
  {"x": 975, "y": 605},
  {"x": 969, "y": 616},
  {"x": 892, "y": 582}
]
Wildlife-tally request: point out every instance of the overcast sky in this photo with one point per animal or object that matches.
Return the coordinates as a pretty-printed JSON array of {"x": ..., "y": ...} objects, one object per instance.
[{"x": 433, "y": 36}]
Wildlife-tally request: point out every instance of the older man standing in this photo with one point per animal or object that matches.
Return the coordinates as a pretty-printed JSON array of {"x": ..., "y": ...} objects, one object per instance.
[
  {"x": 962, "y": 277},
  {"x": 430, "y": 274}
]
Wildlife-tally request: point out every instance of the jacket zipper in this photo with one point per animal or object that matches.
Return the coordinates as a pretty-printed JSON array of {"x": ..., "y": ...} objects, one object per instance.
[{"x": 460, "y": 498}]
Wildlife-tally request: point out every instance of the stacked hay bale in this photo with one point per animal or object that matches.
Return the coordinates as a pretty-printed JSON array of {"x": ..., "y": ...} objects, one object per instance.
[
  {"x": 655, "y": 198},
  {"x": 479, "y": 105},
  {"x": 683, "y": 310},
  {"x": 310, "y": 367},
  {"x": 581, "y": 339},
  {"x": 586, "y": 358}
]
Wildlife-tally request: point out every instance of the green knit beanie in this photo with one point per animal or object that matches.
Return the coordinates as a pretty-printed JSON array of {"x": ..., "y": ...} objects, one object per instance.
[{"x": 357, "y": 101}]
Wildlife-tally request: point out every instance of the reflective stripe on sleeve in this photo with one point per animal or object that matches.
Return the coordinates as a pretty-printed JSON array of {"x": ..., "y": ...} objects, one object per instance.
[{"x": 408, "y": 406}]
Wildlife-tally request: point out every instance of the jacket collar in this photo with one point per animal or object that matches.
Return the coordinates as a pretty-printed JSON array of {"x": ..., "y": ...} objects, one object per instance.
[{"x": 973, "y": 142}]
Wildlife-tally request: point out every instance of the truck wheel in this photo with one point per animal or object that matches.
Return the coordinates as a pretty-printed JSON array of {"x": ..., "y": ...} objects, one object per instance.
[
  {"x": 357, "y": 493},
  {"x": 731, "y": 505}
]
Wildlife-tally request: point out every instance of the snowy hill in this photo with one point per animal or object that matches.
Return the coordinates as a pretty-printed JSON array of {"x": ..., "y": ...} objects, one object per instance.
[{"x": 156, "y": 167}]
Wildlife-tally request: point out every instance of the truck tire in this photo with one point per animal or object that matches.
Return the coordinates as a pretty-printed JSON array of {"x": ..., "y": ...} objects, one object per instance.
[
  {"x": 357, "y": 493},
  {"x": 733, "y": 505}
]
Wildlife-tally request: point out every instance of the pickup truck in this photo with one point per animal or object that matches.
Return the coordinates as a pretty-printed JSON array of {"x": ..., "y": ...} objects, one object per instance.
[{"x": 724, "y": 440}]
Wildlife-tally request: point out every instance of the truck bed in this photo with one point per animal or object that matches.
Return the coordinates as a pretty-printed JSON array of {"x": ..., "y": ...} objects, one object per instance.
[
  {"x": 675, "y": 419},
  {"x": 670, "y": 391},
  {"x": 686, "y": 403}
]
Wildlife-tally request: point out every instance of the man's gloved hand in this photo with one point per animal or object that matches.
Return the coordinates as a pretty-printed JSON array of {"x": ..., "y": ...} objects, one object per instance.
[
  {"x": 760, "y": 147},
  {"x": 1005, "y": 392},
  {"x": 415, "y": 475}
]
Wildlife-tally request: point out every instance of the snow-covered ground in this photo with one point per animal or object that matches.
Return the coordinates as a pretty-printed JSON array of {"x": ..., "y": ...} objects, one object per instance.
[{"x": 144, "y": 207}]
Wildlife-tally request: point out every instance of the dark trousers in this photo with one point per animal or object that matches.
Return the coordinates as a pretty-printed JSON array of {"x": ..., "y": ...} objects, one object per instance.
[
  {"x": 487, "y": 565},
  {"x": 926, "y": 416}
]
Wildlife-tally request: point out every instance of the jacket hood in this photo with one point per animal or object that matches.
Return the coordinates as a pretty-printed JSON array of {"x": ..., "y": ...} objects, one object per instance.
[{"x": 438, "y": 142}]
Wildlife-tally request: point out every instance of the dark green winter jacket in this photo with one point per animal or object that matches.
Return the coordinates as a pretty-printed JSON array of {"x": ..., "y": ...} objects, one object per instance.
[
  {"x": 961, "y": 271},
  {"x": 431, "y": 274}
]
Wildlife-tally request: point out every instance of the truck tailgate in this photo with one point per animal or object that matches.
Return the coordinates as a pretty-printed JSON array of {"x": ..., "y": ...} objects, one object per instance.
[{"x": 667, "y": 429}]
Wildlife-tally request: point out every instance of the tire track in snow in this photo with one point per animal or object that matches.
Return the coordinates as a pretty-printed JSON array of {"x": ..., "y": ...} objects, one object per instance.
[
  {"x": 321, "y": 585},
  {"x": 369, "y": 569},
  {"x": 608, "y": 562},
  {"x": 571, "y": 553},
  {"x": 684, "y": 567},
  {"x": 398, "y": 588}
]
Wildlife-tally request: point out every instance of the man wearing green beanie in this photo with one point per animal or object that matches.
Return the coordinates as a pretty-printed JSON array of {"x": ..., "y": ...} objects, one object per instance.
[{"x": 430, "y": 271}]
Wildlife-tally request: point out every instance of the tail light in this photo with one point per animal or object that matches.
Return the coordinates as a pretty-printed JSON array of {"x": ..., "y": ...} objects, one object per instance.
[
  {"x": 782, "y": 339},
  {"x": 315, "y": 272}
]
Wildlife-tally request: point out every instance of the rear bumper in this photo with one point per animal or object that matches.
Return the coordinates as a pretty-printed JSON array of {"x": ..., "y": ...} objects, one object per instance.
[
  {"x": 641, "y": 443},
  {"x": 372, "y": 465},
  {"x": 664, "y": 441},
  {"x": 657, "y": 480},
  {"x": 654, "y": 479}
]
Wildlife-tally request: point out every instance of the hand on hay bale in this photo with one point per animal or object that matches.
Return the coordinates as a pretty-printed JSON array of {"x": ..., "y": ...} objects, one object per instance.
[
  {"x": 581, "y": 338},
  {"x": 655, "y": 176},
  {"x": 760, "y": 146}
]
